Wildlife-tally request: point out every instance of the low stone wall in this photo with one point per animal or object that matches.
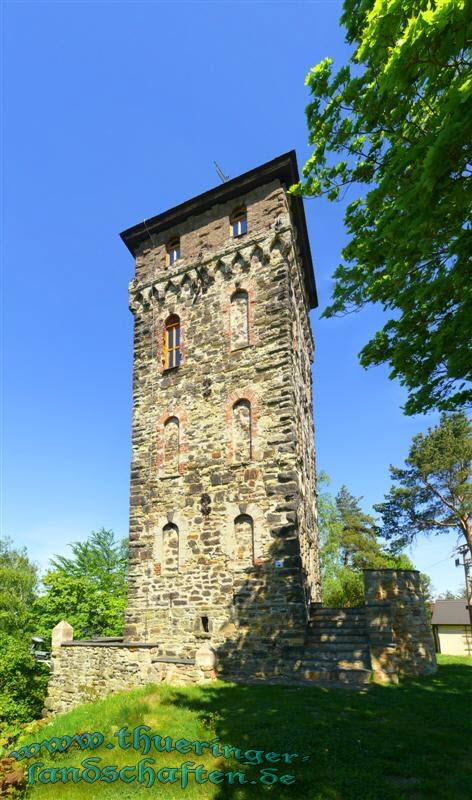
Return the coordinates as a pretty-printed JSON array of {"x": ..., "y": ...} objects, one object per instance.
[
  {"x": 397, "y": 629},
  {"x": 86, "y": 671},
  {"x": 400, "y": 634}
]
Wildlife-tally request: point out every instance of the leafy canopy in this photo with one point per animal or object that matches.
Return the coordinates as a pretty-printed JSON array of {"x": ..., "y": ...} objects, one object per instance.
[
  {"x": 100, "y": 558},
  {"x": 88, "y": 590},
  {"x": 357, "y": 540},
  {"x": 18, "y": 585},
  {"x": 23, "y": 681},
  {"x": 401, "y": 121},
  {"x": 349, "y": 544},
  {"x": 434, "y": 491}
]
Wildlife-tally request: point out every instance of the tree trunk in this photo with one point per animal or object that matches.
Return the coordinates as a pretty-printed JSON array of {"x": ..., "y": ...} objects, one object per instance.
[{"x": 467, "y": 530}]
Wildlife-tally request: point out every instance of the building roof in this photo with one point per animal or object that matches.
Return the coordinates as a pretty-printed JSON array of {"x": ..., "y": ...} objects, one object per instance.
[
  {"x": 283, "y": 167},
  {"x": 450, "y": 612}
]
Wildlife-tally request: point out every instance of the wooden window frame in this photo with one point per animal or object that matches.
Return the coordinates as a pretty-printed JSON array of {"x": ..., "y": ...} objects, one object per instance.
[
  {"x": 172, "y": 354},
  {"x": 173, "y": 250},
  {"x": 237, "y": 220}
]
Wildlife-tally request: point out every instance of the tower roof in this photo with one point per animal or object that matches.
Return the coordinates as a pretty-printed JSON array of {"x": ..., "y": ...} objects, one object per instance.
[{"x": 283, "y": 167}]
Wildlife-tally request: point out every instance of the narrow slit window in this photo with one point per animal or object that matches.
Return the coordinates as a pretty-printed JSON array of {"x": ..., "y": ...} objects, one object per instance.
[
  {"x": 238, "y": 222},
  {"x": 239, "y": 321},
  {"x": 170, "y": 548},
  {"x": 244, "y": 540},
  {"x": 172, "y": 342},
  {"x": 173, "y": 251},
  {"x": 242, "y": 434},
  {"x": 171, "y": 445}
]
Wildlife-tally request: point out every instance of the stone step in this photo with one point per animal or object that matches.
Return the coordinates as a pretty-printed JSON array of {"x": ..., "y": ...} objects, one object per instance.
[
  {"x": 335, "y": 655},
  {"x": 326, "y": 611},
  {"x": 342, "y": 632},
  {"x": 349, "y": 662},
  {"x": 332, "y": 637},
  {"x": 333, "y": 613},
  {"x": 338, "y": 622},
  {"x": 336, "y": 652},
  {"x": 325, "y": 620},
  {"x": 336, "y": 630},
  {"x": 354, "y": 677}
]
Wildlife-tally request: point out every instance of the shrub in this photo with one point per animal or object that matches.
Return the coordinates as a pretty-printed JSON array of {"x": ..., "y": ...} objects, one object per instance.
[{"x": 23, "y": 681}]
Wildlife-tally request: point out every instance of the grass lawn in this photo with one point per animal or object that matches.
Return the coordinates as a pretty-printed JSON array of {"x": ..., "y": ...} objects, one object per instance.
[{"x": 410, "y": 741}]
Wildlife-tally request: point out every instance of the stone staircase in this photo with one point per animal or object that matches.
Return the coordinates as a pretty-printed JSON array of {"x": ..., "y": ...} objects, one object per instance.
[{"x": 336, "y": 646}]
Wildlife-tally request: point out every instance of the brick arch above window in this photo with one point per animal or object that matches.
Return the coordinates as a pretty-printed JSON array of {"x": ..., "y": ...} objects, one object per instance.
[
  {"x": 242, "y": 431},
  {"x": 244, "y": 286},
  {"x": 239, "y": 319},
  {"x": 171, "y": 444},
  {"x": 168, "y": 315},
  {"x": 249, "y": 396},
  {"x": 228, "y": 544},
  {"x": 164, "y": 466},
  {"x": 160, "y": 524}
]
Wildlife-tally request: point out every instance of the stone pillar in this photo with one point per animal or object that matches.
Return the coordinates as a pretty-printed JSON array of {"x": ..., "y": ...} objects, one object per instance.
[
  {"x": 62, "y": 632},
  {"x": 206, "y": 660},
  {"x": 57, "y": 684},
  {"x": 400, "y": 635}
]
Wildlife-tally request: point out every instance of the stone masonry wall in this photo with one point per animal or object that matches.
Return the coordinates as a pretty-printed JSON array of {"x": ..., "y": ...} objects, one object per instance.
[
  {"x": 400, "y": 635},
  {"x": 302, "y": 352},
  {"x": 223, "y": 392},
  {"x": 84, "y": 672},
  {"x": 397, "y": 630}
]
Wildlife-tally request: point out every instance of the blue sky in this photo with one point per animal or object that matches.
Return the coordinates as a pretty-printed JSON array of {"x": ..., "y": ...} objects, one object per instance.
[{"x": 113, "y": 113}]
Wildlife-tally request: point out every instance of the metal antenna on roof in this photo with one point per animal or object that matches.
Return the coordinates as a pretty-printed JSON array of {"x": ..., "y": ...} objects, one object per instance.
[{"x": 223, "y": 178}]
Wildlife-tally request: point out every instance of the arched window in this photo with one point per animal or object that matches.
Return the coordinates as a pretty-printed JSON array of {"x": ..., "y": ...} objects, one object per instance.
[
  {"x": 244, "y": 540},
  {"x": 173, "y": 250},
  {"x": 170, "y": 548},
  {"x": 239, "y": 319},
  {"x": 242, "y": 444},
  {"x": 171, "y": 445},
  {"x": 238, "y": 221},
  {"x": 172, "y": 342}
]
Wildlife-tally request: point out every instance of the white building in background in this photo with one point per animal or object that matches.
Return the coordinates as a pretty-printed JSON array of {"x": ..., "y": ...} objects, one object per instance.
[{"x": 451, "y": 628}]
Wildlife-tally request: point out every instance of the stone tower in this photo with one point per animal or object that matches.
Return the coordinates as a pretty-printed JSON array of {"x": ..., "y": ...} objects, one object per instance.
[{"x": 223, "y": 535}]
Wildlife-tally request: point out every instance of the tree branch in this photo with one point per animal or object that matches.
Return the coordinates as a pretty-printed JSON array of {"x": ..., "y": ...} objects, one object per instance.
[{"x": 438, "y": 494}]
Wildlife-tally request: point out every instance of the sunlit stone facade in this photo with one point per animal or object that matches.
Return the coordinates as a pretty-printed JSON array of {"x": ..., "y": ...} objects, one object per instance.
[{"x": 223, "y": 534}]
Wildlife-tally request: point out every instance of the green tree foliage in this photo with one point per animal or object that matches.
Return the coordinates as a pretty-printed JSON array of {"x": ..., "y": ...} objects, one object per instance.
[
  {"x": 349, "y": 544},
  {"x": 23, "y": 681},
  {"x": 434, "y": 491},
  {"x": 101, "y": 558},
  {"x": 18, "y": 585},
  {"x": 398, "y": 126},
  {"x": 88, "y": 590},
  {"x": 358, "y": 546}
]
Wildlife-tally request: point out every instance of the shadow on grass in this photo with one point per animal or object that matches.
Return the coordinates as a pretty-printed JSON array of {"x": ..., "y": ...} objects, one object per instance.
[{"x": 407, "y": 741}]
